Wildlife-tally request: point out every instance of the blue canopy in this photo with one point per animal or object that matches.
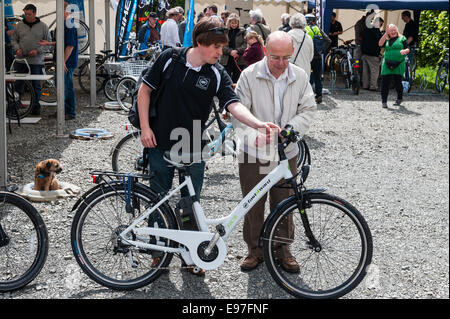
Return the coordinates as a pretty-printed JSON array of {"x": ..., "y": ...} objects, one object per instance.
[{"x": 329, "y": 5}]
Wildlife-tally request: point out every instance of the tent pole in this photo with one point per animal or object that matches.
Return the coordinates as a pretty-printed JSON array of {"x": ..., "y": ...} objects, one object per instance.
[
  {"x": 107, "y": 26},
  {"x": 60, "y": 68},
  {"x": 3, "y": 148},
  {"x": 92, "y": 74}
]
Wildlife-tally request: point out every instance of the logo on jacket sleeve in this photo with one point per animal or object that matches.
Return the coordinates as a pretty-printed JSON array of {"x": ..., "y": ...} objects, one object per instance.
[{"x": 203, "y": 83}]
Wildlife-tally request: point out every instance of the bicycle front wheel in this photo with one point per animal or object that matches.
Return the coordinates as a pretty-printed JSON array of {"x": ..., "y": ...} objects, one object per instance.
[
  {"x": 124, "y": 92},
  {"x": 110, "y": 88},
  {"x": 345, "y": 250},
  {"x": 99, "y": 251},
  {"x": 127, "y": 155},
  {"x": 23, "y": 242},
  {"x": 22, "y": 93}
]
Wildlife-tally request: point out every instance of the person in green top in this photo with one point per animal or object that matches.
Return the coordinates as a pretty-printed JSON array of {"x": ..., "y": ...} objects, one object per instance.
[{"x": 393, "y": 64}]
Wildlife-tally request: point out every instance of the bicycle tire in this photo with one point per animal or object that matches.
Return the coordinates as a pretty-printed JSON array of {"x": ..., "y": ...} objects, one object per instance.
[
  {"x": 124, "y": 92},
  {"x": 34, "y": 244},
  {"x": 25, "y": 101},
  {"x": 109, "y": 89},
  {"x": 441, "y": 78},
  {"x": 104, "y": 264},
  {"x": 83, "y": 39},
  {"x": 127, "y": 154},
  {"x": 357, "y": 245}
]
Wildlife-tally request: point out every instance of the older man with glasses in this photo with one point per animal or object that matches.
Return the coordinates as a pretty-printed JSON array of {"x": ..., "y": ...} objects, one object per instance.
[{"x": 276, "y": 91}]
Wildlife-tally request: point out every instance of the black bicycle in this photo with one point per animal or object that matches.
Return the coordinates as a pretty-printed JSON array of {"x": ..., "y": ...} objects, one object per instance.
[
  {"x": 442, "y": 73},
  {"x": 23, "y": 242}
]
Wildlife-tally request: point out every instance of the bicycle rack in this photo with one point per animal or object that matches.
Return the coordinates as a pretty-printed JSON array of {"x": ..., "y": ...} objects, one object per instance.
[
  {"x": 423, "y": 82},
  {"x": 332, "y": 80}
]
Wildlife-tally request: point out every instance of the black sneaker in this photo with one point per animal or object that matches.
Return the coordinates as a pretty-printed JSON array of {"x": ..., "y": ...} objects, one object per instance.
[
  {"x": 398, "y": 102},
  {"x": 319, "y": 99},
  {"x": 384, "y": 105}
]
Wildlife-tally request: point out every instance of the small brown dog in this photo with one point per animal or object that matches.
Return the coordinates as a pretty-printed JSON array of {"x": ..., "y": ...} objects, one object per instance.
[{"x": 44, "y": 175}]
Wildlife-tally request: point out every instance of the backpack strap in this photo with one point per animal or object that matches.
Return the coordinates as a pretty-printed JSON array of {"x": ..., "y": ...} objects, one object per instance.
[{"x": 304, "y": 35}]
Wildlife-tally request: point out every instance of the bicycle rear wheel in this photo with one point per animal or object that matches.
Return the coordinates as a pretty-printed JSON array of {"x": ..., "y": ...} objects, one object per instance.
[
  {"x": 100, "y": 218},
  {"x": 441, "y": 78},
  {"x": 127, "y": 154},
  {"x": 356, "y": 84},
  {"x": 48, "y": 87},
  {"x": 23, "y": 242},
  {"x": 345, "y": 252},
  {"x": 84, "y": 77}
]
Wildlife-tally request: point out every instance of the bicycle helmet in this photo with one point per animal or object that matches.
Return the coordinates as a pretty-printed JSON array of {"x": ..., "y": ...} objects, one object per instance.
[{"x": 310, "y": 18}]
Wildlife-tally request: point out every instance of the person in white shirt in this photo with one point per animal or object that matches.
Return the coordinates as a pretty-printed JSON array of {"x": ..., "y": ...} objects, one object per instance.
[
  {"x": 278, "y": 91},
  {"x": 303, "y": 44},
  {"x": 169, "y": 30}
]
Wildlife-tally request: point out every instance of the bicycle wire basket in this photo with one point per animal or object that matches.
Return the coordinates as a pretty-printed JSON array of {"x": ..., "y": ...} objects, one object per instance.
[
  {"x": 134, "y": 68},
  {"x": 113, "y": 67}
]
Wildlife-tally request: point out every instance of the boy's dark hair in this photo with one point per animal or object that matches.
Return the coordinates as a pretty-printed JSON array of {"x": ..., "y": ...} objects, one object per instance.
[
  {"x": 31, "y": 7},
  {"x": 406, "y": 13},
  {"x": 213, "y": 7},
  {"x": 209, "y": 31}
]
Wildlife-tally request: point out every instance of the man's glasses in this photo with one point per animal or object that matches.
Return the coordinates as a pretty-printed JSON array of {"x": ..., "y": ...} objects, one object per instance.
[
  {"x": 279, "y": 58},
  {"x": 216, "y": 30}
]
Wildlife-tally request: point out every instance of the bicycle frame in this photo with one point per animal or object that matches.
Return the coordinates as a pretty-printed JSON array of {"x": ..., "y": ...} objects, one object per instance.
[{"x": 192, "y": 239}]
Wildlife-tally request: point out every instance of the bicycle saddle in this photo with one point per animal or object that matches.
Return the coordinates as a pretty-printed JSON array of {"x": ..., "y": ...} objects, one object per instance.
[
  {"x": 179, "y": 159},
  {"x": 106, "y": 51}
]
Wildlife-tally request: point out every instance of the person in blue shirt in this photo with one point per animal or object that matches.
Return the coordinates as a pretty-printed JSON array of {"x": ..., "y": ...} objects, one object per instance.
[{"x": 70, "y": 62}]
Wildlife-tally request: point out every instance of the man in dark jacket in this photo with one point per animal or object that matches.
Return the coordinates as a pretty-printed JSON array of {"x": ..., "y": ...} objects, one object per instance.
[
  {"x": 371, "y": 55},
  {"x": 149, "y": 33}
]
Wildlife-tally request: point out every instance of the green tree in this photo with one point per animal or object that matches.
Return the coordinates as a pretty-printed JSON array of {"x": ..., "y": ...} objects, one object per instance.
[{"x": 433, "y": 36}]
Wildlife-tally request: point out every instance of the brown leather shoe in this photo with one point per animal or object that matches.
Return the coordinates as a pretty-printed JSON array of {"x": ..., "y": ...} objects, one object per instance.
[
  {"x": 250, "y": 263},
  {"x": 290, "y": 265}
]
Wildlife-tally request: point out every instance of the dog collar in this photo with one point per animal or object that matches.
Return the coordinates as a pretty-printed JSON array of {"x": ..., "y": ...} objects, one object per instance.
[{"x": 41, "y": 176}]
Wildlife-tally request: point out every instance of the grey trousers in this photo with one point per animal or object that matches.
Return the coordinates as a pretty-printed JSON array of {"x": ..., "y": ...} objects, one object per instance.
[
  {"x": 371, "y": 71},
  {"x": 250, "y": 175}
]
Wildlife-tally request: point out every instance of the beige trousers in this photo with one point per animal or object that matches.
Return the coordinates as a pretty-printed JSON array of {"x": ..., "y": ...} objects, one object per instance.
[
  {"x": 251, "y": 172},
  {"x": 371, "y": 71}
]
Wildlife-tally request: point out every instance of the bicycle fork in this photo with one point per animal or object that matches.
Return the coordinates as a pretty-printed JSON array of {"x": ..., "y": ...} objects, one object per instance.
[{"x": 302, "y": 204}]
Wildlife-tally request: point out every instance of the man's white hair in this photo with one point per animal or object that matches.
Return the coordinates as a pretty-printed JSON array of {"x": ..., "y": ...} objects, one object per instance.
[
  {"x": 297, "y": 21},
  {"x": 256, "y": 15}
]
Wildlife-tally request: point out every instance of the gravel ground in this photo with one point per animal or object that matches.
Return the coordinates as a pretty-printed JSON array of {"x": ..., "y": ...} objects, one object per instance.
[{"x": 392, "y": 164}]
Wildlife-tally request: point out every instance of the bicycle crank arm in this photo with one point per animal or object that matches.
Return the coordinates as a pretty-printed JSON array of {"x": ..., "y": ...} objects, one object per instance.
[{"x": 195, "y": 241}]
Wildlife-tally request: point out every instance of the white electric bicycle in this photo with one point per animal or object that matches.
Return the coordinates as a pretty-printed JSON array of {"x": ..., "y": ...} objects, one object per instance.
[{"x": 121, "y": 225}]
